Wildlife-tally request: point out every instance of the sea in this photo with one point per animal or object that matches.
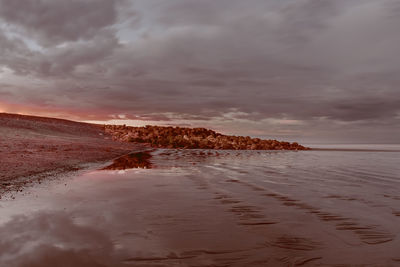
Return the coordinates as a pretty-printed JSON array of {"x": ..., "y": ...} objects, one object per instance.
[{"x": 336, "y": 205}]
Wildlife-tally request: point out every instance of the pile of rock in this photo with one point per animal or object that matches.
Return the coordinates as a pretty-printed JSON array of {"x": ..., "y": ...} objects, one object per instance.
[{"x": 193, "y": 138}]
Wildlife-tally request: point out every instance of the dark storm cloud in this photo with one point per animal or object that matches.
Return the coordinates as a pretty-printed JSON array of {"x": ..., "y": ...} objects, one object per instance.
[
  {"x": 306, "y": 61},
  {"x": 63, "y": 61},
  {"x": 55, "y": 22}
]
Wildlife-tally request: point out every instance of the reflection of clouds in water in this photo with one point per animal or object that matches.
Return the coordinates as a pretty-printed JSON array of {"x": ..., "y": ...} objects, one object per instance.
[
  {"x": 168, "y": 158},
  {"x": 53, "y": 239}
]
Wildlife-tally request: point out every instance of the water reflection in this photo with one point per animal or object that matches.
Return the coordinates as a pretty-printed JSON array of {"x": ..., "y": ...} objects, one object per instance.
[
  {"x": 138, "y": 160},
  {"x": 54, "y": 239},
  {"x": 213, "y": 208}
]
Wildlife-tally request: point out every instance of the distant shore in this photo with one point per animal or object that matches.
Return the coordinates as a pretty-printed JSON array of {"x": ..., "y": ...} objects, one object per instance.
[{"x": 33, "y": 148}]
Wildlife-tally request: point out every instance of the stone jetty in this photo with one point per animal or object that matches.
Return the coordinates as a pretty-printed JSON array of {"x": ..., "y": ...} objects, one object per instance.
[{"x": 193, "y": 138}]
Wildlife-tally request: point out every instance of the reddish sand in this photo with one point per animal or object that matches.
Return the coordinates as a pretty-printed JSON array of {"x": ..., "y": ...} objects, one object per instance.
[{"x": 32, "y": 148}]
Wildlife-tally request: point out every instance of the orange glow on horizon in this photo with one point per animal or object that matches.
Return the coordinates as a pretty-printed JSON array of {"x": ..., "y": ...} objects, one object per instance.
[
  {"x": 100, "y": 117},
  {"x": 106, "y": 117},
  {"x": 53, "y": 112}
]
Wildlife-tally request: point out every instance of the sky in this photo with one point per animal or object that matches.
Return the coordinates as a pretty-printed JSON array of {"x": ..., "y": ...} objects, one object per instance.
[{"x": 303, "y": 70}]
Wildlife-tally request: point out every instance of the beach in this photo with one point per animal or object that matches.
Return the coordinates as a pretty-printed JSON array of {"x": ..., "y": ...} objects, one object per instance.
[
  {"x": 212, "y": 208},
  {"x": 188, "y": 133},
  {"x": 78, "y": 194},
  {"x": 35, "y": 148}
]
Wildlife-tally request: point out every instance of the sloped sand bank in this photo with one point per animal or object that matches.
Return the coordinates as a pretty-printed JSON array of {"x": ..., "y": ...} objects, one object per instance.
[{"x": 32, "y": 148}]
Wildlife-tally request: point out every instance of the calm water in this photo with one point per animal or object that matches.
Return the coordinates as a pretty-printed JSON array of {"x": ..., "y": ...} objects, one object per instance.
[{"x": 207, "y": 208}]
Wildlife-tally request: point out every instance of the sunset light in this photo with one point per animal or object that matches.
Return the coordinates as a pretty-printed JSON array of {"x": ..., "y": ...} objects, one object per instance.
[{"x": 231, "y": 133}]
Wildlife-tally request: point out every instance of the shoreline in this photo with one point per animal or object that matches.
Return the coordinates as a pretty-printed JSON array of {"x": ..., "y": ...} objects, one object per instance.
[
  {"x": 193, "y": 207},
  {"x": 9, "y": 188},
  {"x": 354, "y": 150},
  {"x": 35, "y": 148},
  {"x": 108, "y": 161}
]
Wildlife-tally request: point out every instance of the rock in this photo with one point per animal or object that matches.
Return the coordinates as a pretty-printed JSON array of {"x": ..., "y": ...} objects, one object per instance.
[{"x": 200, "y": 138}]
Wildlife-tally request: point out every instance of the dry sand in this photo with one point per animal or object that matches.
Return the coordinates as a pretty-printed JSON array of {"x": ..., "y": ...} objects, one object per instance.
[{"x": 33, "y": 148}]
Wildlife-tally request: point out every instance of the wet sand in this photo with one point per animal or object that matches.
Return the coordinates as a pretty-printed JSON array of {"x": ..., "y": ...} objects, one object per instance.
[
  {"x": 35, "y": 148},
  {"x": 212, "y": 208}
]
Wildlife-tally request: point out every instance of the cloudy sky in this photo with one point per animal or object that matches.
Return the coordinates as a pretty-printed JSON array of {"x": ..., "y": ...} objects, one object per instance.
[{"x": 307, "y": 70}]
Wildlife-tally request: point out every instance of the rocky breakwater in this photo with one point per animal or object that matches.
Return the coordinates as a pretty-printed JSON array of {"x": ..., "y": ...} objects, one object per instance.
[{"x": 193, "y": 138}]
